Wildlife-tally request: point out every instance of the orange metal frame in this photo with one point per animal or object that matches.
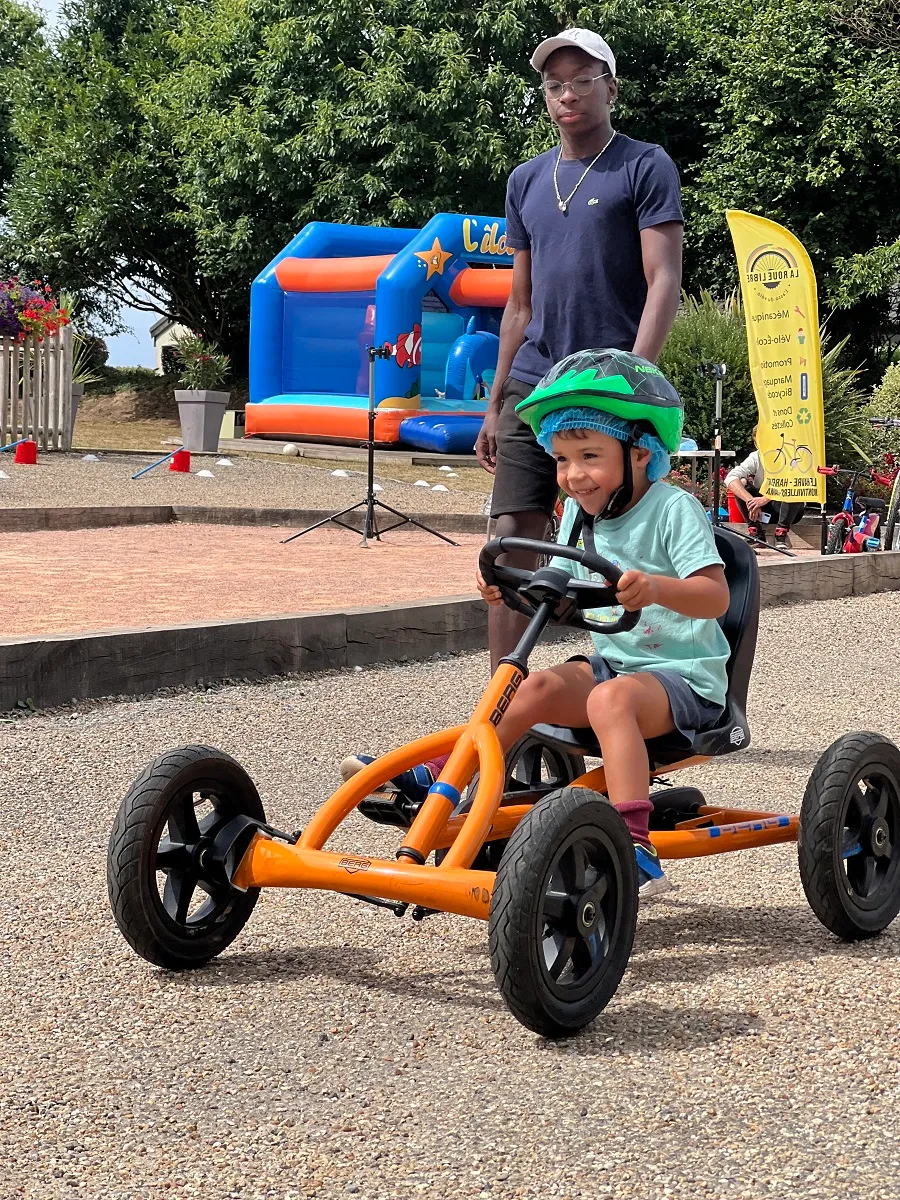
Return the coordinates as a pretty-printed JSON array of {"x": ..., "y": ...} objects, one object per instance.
[{"x": 453, "y": 886}]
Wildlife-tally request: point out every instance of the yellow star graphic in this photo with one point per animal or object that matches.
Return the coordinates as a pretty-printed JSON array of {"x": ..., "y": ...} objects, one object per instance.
[{"x": 434, "y": 259}]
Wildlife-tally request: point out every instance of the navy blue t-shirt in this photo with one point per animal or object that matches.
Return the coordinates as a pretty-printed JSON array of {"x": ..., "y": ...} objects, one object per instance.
[{"x": 587, "y": 276}]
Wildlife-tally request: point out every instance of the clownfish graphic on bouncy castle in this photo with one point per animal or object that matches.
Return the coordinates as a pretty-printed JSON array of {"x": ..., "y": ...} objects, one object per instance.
[{"x": 408, "y": 350}]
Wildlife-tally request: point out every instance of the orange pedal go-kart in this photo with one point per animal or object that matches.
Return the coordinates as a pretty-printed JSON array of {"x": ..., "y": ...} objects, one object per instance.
[{"x": 529, "y": 844}]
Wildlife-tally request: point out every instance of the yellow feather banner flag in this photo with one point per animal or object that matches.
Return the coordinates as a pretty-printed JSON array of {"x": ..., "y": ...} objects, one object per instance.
[{"x": 781, "y": 311}]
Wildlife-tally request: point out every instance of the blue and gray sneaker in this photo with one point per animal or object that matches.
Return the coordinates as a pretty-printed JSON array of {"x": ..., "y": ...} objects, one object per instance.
[
  {"x": 652, "y": 880},
  {"x": 413, "y": 784}
]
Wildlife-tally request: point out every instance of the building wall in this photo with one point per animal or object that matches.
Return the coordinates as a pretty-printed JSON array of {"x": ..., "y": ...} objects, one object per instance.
[{"x": 168, "y": 338}]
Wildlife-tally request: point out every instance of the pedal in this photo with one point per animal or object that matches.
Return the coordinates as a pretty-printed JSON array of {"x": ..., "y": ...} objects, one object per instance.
[{"x": 389, "y": 808}]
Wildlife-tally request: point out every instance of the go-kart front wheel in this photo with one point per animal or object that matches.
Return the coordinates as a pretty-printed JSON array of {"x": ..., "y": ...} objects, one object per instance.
[
  {"x": 171, "y": 904},
  {"x": 849, "y": 840},
  {"x": 563, "y": 912}
]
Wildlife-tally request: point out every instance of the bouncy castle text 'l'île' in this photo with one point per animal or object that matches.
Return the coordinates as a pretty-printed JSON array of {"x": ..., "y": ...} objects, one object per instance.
[{"x": 434, "y": 297}]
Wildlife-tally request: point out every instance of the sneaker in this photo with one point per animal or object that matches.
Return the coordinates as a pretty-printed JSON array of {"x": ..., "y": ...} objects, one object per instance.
[
  {"x": 652, "y": 880},
  {"x": 781, "y": 540},
  {"x": 413, "y": 784},
  {"x": 758, "y": 532}
]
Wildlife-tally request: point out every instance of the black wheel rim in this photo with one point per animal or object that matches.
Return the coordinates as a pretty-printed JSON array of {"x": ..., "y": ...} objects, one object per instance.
[
  {"x": 870, "y": 848},
  {"x": 186, "y": 894},
  {"x": 534, "y": 770},
  {"x": 538, "y": 768},
  {"x": 579, "y": 914}
]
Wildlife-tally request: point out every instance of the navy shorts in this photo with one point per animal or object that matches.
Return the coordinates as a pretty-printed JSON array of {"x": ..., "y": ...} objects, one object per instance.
[{"x": 690, "y": 712}]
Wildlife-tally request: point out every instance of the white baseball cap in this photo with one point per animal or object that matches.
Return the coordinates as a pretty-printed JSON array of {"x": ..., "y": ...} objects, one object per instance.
[{"x": 582, "y": 39}]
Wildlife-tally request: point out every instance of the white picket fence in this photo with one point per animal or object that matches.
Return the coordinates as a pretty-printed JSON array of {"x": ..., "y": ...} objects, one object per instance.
[{"x": 36, "y": 391}]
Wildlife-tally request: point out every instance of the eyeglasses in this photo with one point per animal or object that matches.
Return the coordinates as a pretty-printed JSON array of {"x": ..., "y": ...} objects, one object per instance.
[{"x": 582, "y": 85}]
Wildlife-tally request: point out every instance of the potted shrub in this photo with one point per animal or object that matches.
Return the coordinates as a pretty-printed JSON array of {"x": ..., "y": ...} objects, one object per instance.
[{"x": 201, "y": 403}]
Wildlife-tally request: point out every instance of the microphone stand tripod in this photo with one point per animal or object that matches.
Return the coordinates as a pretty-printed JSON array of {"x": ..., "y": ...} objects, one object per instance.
[{"x": 369, "y": 502}]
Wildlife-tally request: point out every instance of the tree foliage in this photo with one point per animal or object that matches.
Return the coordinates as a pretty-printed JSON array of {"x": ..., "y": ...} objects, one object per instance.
[
  {"x": 19, "y": 28},
  {"x": 179, "y": 144}
]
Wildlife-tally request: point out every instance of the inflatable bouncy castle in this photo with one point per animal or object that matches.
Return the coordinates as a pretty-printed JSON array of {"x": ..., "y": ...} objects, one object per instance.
[{"x": 434, "y": 297}]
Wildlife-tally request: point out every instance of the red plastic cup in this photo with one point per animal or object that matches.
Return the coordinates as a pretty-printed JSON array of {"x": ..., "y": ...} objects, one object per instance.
[
  {"x": 181, "y": 461},
  {"x": 26, "y": 453}
]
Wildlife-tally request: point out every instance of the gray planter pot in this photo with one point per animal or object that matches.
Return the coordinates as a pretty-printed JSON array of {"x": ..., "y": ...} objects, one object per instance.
[{"x": 200, "y": 413}]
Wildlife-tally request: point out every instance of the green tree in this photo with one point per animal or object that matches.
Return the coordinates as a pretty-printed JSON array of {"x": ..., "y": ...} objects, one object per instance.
[
  {"x": 207, "y": 135},
  {"x": 179, "y": 145},
  {"x": 19, "y": 32},
  {"x": 92, "y": 205},
  {"x": 801, "y": 123}
]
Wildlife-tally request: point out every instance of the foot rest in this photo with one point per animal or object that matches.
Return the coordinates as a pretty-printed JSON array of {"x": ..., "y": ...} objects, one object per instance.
[{"x": 390, "y": 809}]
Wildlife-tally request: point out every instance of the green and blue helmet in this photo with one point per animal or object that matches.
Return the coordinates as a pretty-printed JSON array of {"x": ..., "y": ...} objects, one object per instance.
[
  {"x": 616, "y": 393},
  {"x": 611, "y": 381}
]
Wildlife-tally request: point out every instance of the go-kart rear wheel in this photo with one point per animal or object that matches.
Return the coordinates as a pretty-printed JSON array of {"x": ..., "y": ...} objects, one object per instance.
[
  {"x": 532, "y": 765},
  {"x": 849, "y": 841},
  {"x": 563, "y": 912},
  {"x": 532, "y": 768},
  {"x": 170, "y": 906}
]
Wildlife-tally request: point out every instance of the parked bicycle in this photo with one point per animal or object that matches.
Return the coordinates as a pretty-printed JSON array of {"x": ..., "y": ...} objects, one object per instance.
[
  {"x": 890, "y": 539},
  {"x": 852, "y": 530}
]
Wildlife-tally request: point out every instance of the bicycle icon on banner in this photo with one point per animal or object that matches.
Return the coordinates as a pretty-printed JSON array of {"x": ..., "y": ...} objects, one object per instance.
[{"x": 789, "y": 456}]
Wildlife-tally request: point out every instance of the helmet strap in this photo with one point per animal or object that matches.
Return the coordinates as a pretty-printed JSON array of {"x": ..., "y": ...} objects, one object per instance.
[
  {"x": 582, "y": 527},
  {"x": 622, "y": 496}
]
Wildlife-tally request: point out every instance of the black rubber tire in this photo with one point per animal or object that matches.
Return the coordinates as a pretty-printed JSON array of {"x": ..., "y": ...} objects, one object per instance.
[
  {"x": 833, "y": 807},
  {"x": 837, "y": 534},
  {"x": 131, "y": 861},
  {"x": 562, "y": 769},
  {"x": 891, "y": 536},
  {"x": 517, "y": 928},
  {"x": 561, "y": 766}
]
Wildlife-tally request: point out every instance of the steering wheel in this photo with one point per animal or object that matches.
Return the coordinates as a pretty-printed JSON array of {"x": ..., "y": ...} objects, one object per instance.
[{"x": 525, "y": 591}]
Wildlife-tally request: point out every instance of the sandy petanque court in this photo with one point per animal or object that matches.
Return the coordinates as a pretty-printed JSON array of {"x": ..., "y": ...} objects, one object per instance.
[{"x": 89, "y": 579}]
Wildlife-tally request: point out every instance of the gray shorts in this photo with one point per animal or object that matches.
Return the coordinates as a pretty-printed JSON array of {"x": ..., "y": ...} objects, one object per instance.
[{"x": 690, "y": 712}]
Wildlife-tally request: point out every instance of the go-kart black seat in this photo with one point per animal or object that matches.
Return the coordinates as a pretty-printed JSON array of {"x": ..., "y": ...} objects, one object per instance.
[{"x": 739, "y": 624}]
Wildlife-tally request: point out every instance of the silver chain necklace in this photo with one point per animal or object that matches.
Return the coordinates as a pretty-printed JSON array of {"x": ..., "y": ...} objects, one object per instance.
[{"x": 564, "y": 204}]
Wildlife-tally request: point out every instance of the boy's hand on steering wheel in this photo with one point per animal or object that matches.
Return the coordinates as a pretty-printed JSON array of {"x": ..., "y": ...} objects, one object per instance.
[
  {"x": 637, "y": 589},
  {"x": 489, "y": 592}
]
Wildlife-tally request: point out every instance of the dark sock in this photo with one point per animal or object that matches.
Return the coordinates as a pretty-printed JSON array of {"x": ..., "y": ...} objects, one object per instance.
[{"x": 636, "y": 815}]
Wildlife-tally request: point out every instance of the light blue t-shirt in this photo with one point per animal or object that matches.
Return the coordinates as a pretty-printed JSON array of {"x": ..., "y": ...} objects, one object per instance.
[{"x": 666, "y": 533}]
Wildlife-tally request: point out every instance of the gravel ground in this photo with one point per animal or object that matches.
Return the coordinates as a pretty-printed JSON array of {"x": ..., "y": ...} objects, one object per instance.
[
  {"x": 59, "y": 481},
  {"x": 336, "y": 1051}
]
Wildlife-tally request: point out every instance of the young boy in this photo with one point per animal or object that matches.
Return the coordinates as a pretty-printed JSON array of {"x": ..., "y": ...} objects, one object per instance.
[{"x": 609, "y": 419}]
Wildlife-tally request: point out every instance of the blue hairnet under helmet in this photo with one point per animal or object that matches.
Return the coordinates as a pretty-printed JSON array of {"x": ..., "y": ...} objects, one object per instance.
[{"x": 562, "y": 419}]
